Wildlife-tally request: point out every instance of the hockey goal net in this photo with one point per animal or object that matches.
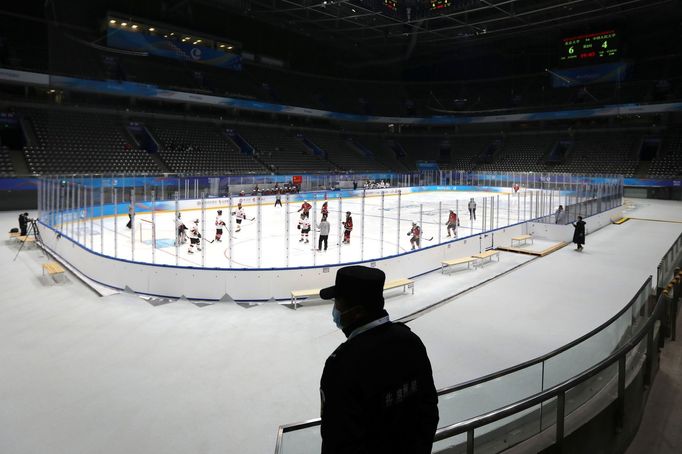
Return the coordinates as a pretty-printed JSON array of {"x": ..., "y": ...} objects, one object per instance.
[{"x": 147, "y": 230}]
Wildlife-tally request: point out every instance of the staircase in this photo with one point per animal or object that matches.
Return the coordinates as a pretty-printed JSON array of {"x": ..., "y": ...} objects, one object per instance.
[
  {"x": 643, "y": 169},
  {"x": 143, "y": 139},
  {"x": 19, "y": 162}
]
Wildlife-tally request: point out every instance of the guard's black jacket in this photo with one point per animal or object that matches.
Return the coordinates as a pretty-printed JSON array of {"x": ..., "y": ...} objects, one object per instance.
[
  {"x": 378, "y": 395},
  {"x": 579, "y": 233}
]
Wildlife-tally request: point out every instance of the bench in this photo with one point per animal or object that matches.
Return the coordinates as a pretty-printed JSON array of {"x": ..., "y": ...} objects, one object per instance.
[
  {"x": 404, "y": 283},
  {"x": 487, "y": 255},
  {"x": 13, "y": 235},
  {"x": 27, "y": 239},
  {"x": 522, "y": 239},
  {"x": 315, "y": 292},
  {"x": 446, "y": 263},
  {"x": 52, "y": 268},
  {"x": 296, "y": 294}
]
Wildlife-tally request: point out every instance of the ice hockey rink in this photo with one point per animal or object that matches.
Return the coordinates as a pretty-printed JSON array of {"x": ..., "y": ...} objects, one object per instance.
[
  {"x": 269, "y": 237},
  {"x": 84, "y": 373}
]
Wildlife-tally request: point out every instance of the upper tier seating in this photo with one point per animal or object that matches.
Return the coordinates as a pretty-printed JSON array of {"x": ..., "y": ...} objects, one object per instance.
[
  {"x": 669, "y": 162},
  {"x": 76, "y": 142},
  {"x": 602, "y": 153},
  {"x": 200, "y": 147},
  {"x": 343, "y": 153},
  {"x": 6, "y": 167},
  {"x": 283, "y": 150},
  {"x": 522, "y": 154}
]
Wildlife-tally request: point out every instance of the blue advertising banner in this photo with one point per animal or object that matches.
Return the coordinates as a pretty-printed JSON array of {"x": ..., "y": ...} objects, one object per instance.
[
  {"x": 161, "y": 47},
  {"x": 585, "y": 75}
]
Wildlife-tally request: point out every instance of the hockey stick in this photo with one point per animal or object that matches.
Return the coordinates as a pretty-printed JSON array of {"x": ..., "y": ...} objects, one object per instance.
[{"x": 429, "y": 239}]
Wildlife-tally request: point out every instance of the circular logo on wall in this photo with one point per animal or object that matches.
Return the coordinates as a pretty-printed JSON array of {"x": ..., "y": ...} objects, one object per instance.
[{"x": 196, "y": 53}]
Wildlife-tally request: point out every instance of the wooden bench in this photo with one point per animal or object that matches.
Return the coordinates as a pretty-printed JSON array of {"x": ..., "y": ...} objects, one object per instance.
[
  {"x": 522, "y": 239},
  {"x": 315, "y": 292},
  {"x": 404, "y": 283},
  {"x": 446, "y": 263},
  {"x": 13, "y": 235},
  {"x": 52, "y": 268},
  {"x": 27, "y": 239},
  {"x": 296, "y": 294},
  {"x": 487, "y": 255}
]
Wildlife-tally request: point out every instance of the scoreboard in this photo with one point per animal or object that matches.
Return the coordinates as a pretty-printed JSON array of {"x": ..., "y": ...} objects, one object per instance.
[
  {"x": 439, "y": 4},
  {"x": 391, "y": 4},
  {"x": 593, "y": 48}
]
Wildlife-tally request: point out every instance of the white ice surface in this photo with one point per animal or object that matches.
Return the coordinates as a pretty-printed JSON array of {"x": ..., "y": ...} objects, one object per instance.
[
  {"x": 84, "y": 374},
  {"x": 242, "y": 247}
]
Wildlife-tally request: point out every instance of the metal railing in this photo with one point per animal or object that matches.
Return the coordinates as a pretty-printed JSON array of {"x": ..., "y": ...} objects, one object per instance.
[
  {"x": 541, "y": 369},
  {"x": 559, "y": 391}
]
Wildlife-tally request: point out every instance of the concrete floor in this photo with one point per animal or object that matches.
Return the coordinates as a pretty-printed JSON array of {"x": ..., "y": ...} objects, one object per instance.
[
  {"x": 660, "y": 431},
  {"x": 90, "y": 374}
]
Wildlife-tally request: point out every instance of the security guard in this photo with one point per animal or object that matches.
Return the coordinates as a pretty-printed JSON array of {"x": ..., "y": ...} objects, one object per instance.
[{"x": 377, "y": 388}]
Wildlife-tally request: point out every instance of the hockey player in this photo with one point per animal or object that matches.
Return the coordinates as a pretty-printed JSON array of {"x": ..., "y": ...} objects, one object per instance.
[
  {"x": 305, "y": 207},
  {"x": 416, "y": 236},
  {"x": 194, "y": 237},
  {"x": 472, "y": 209},
  {"x": 304, "y": 227},
  {"x": 452, "y": 223},
  {"x": 219, "y": 224},
  {"x": 180, "y": 231},
  {"x": 278, "y": 198},
  {"x": 347, "y": 228},
  {"x": 240, "y": 215},
  {"x": 516, "y": 187},
  {"x": 325, "y": 210}
]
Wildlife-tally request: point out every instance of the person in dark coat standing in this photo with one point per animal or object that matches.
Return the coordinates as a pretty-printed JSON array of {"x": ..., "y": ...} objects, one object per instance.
[
  {"x": 23, "y": 223},
  {"x": 579, "y": 233},
  {"x": 377, "y": 390}
]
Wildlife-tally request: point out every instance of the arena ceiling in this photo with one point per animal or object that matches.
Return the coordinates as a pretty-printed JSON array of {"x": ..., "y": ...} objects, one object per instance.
[{"x": 383, "y": 26}]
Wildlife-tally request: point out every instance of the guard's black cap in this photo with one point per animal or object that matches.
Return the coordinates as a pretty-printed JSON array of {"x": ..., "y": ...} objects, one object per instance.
[{"x": 360, "y": 285}]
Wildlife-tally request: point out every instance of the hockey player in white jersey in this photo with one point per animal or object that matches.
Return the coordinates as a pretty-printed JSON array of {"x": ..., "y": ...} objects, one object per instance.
[
  {"x": 194, "y": 237},
  {"x": 304, "y": 227},
  {"x": 240, "y": 215},
  {"x": 219, "y": 224}
]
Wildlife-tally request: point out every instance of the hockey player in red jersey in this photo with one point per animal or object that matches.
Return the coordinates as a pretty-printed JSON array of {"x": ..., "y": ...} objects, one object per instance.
[
  {"x": 347, "y": 228},
  {"x": 452, "y": 223},
  {"x": 325, "y": 209},
  {"x": 305, "y": 207},
  {"x": 416, "y": 236}
]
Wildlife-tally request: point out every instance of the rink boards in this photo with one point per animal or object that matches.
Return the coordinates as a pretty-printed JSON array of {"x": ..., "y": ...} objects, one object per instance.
[{"x": 258, "y": 284}]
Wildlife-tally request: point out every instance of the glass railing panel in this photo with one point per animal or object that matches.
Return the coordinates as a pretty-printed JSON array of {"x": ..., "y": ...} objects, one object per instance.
[
  {"x": 491, "y": 395},
  {"x": 507, "y": 432},
  {"x": 577, "y": 396},
  {"x": 548, "y": 413},
  {"x": 586, "y": 354},
  {"x": 452, "y": 445},
  {"x": 303, "y": 441}
]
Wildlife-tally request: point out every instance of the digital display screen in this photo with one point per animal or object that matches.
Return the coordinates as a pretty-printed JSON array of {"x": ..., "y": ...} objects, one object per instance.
[
  {"x": 439, "y": 4},
  {"x": 593, "y": 48}
]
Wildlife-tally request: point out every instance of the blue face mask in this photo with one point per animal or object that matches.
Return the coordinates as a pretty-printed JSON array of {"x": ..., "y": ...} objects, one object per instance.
[{"x": 336, "y": 316}]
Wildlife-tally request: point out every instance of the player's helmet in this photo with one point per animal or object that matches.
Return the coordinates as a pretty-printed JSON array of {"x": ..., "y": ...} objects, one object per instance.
[
  {"x": 239, "y": 204},
  {"x": 220, "y": 211},
  {"x": 305, "y": 201},
  {"x": 347, "y": 213},
  {"x": 196, "y": 221}
]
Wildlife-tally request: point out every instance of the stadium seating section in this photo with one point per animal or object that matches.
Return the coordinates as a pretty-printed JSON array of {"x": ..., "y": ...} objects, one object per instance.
[{"x": 70, "y": 140}]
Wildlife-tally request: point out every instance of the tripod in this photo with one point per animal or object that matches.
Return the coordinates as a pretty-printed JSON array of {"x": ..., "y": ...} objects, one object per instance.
[{"x": 32, "y": 229}]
